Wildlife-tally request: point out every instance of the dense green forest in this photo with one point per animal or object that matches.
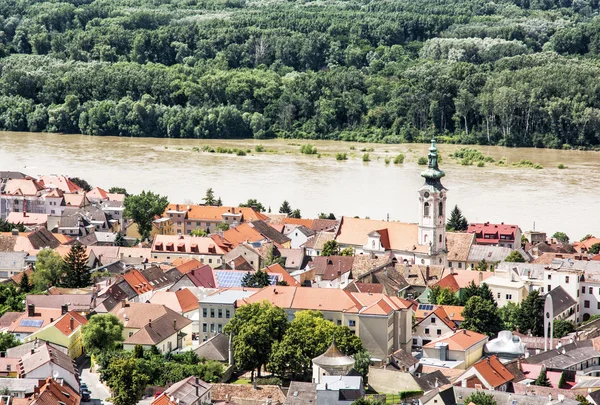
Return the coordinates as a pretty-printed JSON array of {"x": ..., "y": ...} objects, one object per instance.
[{"x": 510, "y": 72}]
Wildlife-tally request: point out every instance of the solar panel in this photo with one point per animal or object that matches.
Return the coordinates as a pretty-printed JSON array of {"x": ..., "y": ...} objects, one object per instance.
[{"x": 34, "y": 323}]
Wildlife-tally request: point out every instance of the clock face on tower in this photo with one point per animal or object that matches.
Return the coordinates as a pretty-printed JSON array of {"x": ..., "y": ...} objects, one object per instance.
[{"x": 426, "y": 195}]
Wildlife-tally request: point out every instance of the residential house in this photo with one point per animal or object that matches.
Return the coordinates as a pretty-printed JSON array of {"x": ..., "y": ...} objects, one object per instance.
[
  {"x": 186, "y": 265},
  {"x": 83, "y": 221},
  {"x": 189, "y": 391},
  {"x": 389, "y": 378},
  {"x": 488, "y": 373},
  {"x": 276, "y": 269},
  {"x": 299, "y": 236},
  {"x": 216, "y": 348},
  {"x": 31, "y": 221},
  {"x": 52, "y": 392},
  {"x": 314, "y": 245},
  {"x": 64, "y": 331},
  {"x": 32, "y": 320},
  {"x": 45, "y": 361},
  {"x": 580, "y": 357},
  {"x": 459, "y": 349},
  {"x": 5, "y": 176},
  {"x": 183, "y": 302},
  {"x": 162, "y": 226},
  {"x": 564, "y": 307},
  {"x": 457, "y": 281},
  {"x": 295, "y": 259},
  {"x": 187, "y": 218},
  {"x": 168, "y": 332},
  {"x": 271, "y": 234},
  {"x": 245, "y": 251},
  {"x": 507, "y": 287},
  {"x": 22, "y": 194},
  {"x": 136, "y": 315},
  {"x": 217, "y": 309},
  {"x": 158, "y": 279},
  {"x": 435, "y": 324},
  {"x": 585, "y": 245},
  {"x": 81, "y": 303},
  {"x": 12, "y": 263},
  {"x": 496, "y": 234},
  {"x": 331, "y": 271},
  {"x": 200, "y": 277},
  {"x": 301, "y": 393},
  {"x": 342, "y": 390},
  {"x": 60, "y": 182},
  {"x": 458, "y": 245},
  {"x": 19, "y": 387},
  {"x": 535, "y": 237},
  {"x": 168, "y": 248},
  {"x": 490, "y": 255},
  {"x": 30, "y": 242},
  {"x": 382, "y": 322},
  {"x": 316, "y": 225}
]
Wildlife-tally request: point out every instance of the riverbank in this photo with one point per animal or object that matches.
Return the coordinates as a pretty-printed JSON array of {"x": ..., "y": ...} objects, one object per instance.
[{"x": 556, "y": 200}]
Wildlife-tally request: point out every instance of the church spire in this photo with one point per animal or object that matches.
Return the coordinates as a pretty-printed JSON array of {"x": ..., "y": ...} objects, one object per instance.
[{"x": 433, "y": 174}]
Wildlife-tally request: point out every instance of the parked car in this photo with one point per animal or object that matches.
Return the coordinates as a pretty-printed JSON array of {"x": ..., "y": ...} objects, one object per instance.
[
  {"x": 83, "y": 387},
  {"x": 85, "y": 396}
]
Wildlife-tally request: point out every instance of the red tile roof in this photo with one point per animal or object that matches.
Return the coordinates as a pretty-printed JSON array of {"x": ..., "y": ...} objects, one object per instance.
[
  {"x": 188, "y": 266},
  {"x": 285, "y": 276},
  {"x": 63, "y": 324},
  {"x": 60, "y": 182},
  {"x": 202, "y": 277},
  {"x": 492, "y": 233}
]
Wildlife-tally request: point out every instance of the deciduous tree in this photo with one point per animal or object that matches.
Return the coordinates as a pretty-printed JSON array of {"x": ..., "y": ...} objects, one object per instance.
[
  {"x": 49, "y": 269},
  {"x": 253, "y": 203},
  {"x": 480, "y": 398},
  {"x": 127, "y": 381},
  {"x": 481, "y": 316},
  {"x": 561, "y": 237},
  {"x": 514, "y": 257},
  {"x": 102, "y": 333},
  {"x": 142, "y": 208}
]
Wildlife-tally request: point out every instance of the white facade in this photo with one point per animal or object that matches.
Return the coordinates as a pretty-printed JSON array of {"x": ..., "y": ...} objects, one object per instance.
[
  {"x": 570, "y": 281},
  {"x": 507, "y": 289},
  {"x": 297, "y": 238}
]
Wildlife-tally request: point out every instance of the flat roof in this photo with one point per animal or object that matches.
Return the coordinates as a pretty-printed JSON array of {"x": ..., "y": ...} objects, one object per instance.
[{"x": 227, "y": 296}]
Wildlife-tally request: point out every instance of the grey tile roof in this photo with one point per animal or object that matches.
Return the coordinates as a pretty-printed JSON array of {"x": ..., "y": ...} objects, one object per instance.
[
  {"x": 561, "y": 300},
  {"x": 43, "y": 238},
  {"x": 216, "y": 348},
  {"x": 156, "y": 277},
  {"x": 574, "y": 353},
  {"x": 269, "y": 232},
  {"x": 430, "y": 381},
  {"x": 512, "y": 398},
  {"x": 491, "y": 254}
]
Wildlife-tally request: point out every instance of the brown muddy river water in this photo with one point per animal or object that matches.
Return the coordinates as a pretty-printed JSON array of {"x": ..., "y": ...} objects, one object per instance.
[{"x": 567, "y": 200}]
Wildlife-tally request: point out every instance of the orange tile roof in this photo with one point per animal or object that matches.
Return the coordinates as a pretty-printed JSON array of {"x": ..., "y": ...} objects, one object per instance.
[
  {"x": 63, "y": 238},
  {"x": 185, "y": 266},
  {"x": 97, "y": 194},
  {"x": 454, "y": 312},
  {"x": 492, "y": 370},
  {"x": 63, "y": 324},
  {"x": 460, "y": 340},
  {"x": 53, "y": 392},
  {"x": 285, "y": 276},
  {"x": 137, "y": 281},
  {"x": 75, "y": 200},
  {"x": 298, "y": 221},
  {"x": 46, "y": 315},
  {"x": 26, "y": 186},
  {"x": 440, "y": 314},
  {"x": 585, "y": 244},
  {"x": 402, "y": 236},
  {"x": 462, "y": 278},
  {"x": 327, "y": 299},
  {"x": 60, "y": 182},
  {"x": 242, "y": 233},
  {"x": 187, "y": 300},
  {"x": 214, "y": 213}
]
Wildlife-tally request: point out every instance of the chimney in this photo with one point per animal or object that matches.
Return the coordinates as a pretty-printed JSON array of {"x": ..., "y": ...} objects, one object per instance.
[
  {"x": 406, "y": 270},
  {"x": 31, "y": 310},
  {"x": 427, "y": 275},
  {"x": 149, "y": 323},
  {"x": 15, "y": 232},
  {"x": 32, "y": 351},
  {"x": 72, "y": 323},
  {"x": 175, "y": 324},
  {"x": 64, "y": 309},
  {"x": 197, "y": 388}
]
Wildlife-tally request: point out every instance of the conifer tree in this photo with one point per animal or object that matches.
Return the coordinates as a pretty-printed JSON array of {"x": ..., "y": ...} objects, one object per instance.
[
  {"x": 77, "y": 272},
  {"x": 542, "y": 379},
  {"x": 457, "y": 222}
]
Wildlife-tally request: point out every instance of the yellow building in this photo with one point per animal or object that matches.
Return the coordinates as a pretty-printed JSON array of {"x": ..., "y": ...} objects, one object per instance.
[
  {"x": 460, "y": 349},
  {"x": 65, "y": 331}
]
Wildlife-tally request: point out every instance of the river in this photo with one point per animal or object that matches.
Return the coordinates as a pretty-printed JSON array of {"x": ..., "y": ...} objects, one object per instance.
[{"x": 549, "y": 199}]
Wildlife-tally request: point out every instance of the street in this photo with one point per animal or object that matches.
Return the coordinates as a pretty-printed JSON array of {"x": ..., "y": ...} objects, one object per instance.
[{"x": 99, "y": 392}]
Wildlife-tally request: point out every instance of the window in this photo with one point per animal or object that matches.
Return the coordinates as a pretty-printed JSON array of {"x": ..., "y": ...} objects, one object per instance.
[
  {"x": 549, "y": 288},
  {"x": 439, "y": 332},
  {"x": 498, "y": 295},
  {"x": 219, "y": 328},
  {"x": 210, "y": 260},
  {"x": 426, "y": 209},
  {"x": 449, "y": 264},
  {"x": 227, "y": 314},
  {"x": 432, "y": 320},
  {"x": 220, "y": 313},
  {"x": 460, "y": 265},
  {"x": 339, "y": 322},
  {"x": 549, "y": 276},
  {"x": 427, "y": 331},
  {"x": 204, "y": 327},
  {"x": 582, "y": 289},
  {"x": 212, "y": 312},
  {"x": 440, "y": 238},
  {"x": 440, "y": 208},
  {"x": 130, "y": 334},
  {"x": 599, "y": 305},
  {"x": 567, "y": 279},
  {"x": 509, "y": 296},
  {"x": 586, "y": 304},
  {"x": 352, "y": 323},
  {"x": 590, "y": 290},
  {"x": 204, "y": 312}
]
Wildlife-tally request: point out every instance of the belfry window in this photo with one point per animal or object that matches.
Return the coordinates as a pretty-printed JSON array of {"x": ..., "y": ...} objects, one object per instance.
[
  {"x": 426, "y": 209},
  {"x": 441, "y": 208}
]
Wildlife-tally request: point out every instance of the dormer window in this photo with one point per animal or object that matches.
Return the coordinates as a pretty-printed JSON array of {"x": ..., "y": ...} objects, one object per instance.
[{"x": 426, "y": 209}]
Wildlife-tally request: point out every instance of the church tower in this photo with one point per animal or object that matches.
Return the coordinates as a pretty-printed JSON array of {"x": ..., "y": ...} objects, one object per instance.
[{"x": 432, "y": 211}]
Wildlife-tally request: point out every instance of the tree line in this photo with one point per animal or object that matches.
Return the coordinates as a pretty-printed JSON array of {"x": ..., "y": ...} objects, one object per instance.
[{"x": 514, "y": 73}]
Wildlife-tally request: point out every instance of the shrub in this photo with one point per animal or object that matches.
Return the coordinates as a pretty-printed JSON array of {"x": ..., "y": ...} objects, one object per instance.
[
  {"x": 399, "y": 159},
  {"x": 308, "y": 149},
  {"x": 561, "y": 166},
  {"x": 195, "y": 149},
  {"x": 422, "y": 161},
  {"x": 240, "y": 152},
  {"x": 480, "y": 164},
  {"x": 268, "y": 381},
  {"x": 366, "y": 158},
  {"x": 341, "y": 156},
  {"x": 259, "y": 148},
  {"x": 208, "y": 148},
  {"x": 387, "y": 160}
]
